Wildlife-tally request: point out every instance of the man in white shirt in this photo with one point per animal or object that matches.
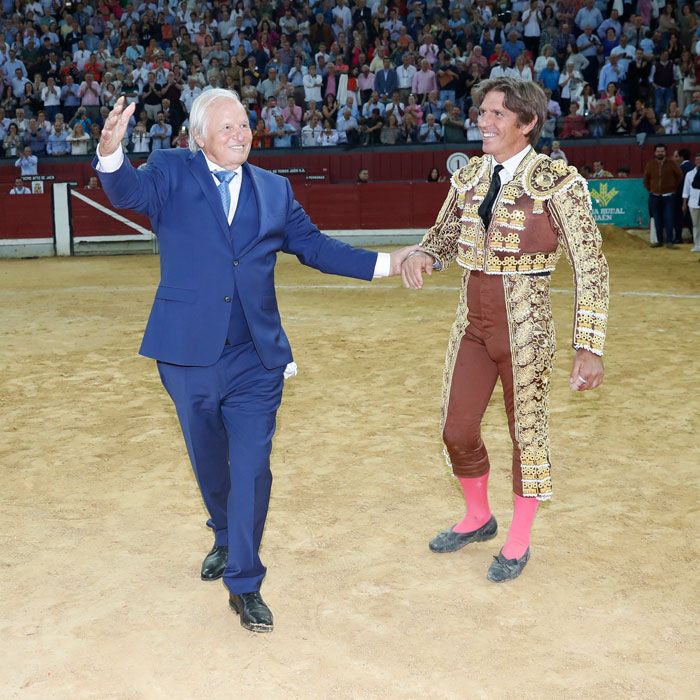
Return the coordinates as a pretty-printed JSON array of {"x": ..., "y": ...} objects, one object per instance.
[
  {"x": 20, "y": 187},
  {"x": 404, "y": 74},
  {"x": 215, "y": 329},
  {"x": 312, "y": 85},
  {"x": 691, "y": 201},
  {"x": 507, "y": 240}
]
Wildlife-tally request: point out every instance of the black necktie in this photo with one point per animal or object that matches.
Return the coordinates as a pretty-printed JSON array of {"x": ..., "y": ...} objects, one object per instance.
[{"x": 486, "y": 206}]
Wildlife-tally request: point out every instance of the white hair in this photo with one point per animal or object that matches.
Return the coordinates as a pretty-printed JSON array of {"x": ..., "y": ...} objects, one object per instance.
[{"x": 200, "y": 107}]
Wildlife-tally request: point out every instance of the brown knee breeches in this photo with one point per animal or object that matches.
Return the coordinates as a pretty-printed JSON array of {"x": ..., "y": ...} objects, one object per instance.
[{"x": 509, "y": 326}]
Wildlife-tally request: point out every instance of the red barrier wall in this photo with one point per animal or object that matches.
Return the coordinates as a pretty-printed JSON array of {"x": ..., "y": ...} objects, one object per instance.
[{"x": 378, "y": 205}]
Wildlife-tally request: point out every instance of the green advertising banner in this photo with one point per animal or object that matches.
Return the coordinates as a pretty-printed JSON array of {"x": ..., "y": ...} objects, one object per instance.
[{"x": 620, "y": 202}]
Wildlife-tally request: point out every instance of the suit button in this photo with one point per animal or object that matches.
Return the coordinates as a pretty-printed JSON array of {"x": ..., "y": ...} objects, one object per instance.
[
  {"x": 235, "y": 263},
  {"x": 227, "y": 299}
]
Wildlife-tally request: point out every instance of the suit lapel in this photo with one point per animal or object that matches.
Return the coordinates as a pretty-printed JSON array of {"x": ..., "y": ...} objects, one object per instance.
[
  {"x": 256, "y": 200},
  {"x": 201, "y": 174}
]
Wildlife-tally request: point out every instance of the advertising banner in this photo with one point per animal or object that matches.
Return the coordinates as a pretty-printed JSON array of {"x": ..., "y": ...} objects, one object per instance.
[{"x": 620, "y": 202}]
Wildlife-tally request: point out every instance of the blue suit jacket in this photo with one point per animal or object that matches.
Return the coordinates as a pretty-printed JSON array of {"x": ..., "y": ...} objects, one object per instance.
[
  {"x": 202, "y": 264},
  {"x": 386, "y": 86}
]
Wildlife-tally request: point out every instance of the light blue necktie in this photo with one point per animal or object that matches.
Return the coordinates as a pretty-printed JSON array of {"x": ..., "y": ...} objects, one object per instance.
[{"x": 224, "y": 177}]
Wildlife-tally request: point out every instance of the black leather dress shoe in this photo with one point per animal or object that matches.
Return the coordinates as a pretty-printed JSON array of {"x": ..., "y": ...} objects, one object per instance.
[
  {"x": 503, "y": 569},
  {"x": 255, "y": 615},
  {"x": 451, "y": 541},
  {"x": 214, "y": 563}
]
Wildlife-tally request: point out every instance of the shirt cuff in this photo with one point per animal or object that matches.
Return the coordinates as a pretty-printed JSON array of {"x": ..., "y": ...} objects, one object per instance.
[
  {"x": 110, "y": 163},
  {"x": 382, "y": 268}
]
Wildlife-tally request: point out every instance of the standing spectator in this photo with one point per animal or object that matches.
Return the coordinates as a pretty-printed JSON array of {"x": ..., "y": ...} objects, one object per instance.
[
  {"x": 329, "y": 136},
  {"x": 89, "y": 93},
  {"x": 532, "y": 16},
  {"x": 661, "y": 178},
  {"x": 70, "y": 97},
  {"x": 312, "y": 85},
  {"x": 386, "y": 81},
  {"x": 681, "y": 158},
  {"x": 598, "y": 121},
  {"x": 292, "y": 114},
  {"x": 691, "y": 201},
  {"x": 372, "y": 127},
  {"x": 557, "y": 153},
  {"x": 20, "y": 187},
  {"x": 423, "y": 81},
  {"x": 663, "y": 79},
  {"x": 405, "y": 74},
  {"x": 51, "y": 99},
  {"x": 453, "y": 125},
  {"x": 161, "y": 133},
  {"x": 27, "y": 162}
]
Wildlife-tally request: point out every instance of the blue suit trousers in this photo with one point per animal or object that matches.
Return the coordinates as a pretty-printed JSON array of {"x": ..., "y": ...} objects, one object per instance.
[{"x": 227, "y": 413}]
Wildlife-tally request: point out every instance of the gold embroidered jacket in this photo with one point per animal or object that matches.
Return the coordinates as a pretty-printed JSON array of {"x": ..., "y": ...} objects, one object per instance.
[{"x": 545, "y": 208}]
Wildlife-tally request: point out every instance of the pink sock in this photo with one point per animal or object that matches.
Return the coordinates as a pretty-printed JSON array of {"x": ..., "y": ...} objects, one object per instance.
[
  {"x": 477, "y": 499},
  {"x": 518, "y": 539}
]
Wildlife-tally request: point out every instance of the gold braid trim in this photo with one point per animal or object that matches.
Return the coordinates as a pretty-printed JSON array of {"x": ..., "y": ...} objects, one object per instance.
[
  {"x": 441, "y": 239},
  {"x": 544, "y": 178},
  {"x": 465, "y": 178},
  {"x": 459, "y": 328},
  {"x": 532, "y": 347},
  {"x": 578, "y": 232}
]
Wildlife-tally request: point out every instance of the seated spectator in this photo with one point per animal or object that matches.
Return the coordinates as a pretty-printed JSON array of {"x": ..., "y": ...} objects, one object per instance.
[
  {"x": 95, "y": 134},
  {"x": 35, "y": 138},
  {"x": 181, "y": 139},
  {"x": 12, "y": 143},
  {"x": 672, "y": 121},
  {"x": 292, "y": 114},
  {"x": 549, "y": 77},
  {"x": 599, "y": 171},
  {"x": 362, "y": 176},
  {"x": 373, "y": 103},
  {"x": 93, "y": 183},
  {"x": 611, "y": 98},
  {"x": 432, "y": 105},
  {"x": 623, "y": 171},
  {"x": 27, "y": 162},
  {"x": 261, "y": 135},
  {"x": 644, "y": 121},
  {"x": 348, "y": 128},
  {"x": 390, "y": 134},
  {"x": 20, "y": 187},
  {"x": 79, "y": 141},
  {"x": 396, "y": 107},
  {"x": 598, "y": 121},
  {"x": 574, "y": 124},
  {"x": 522, "y": 70},
  {"x": 619, "y": 122},
  {"x": 372, "y": 127},
  {"x": 542, "y": 60},
  {"x": 556, "y": 153},
  {"x": 282, "y": 133},
  {"x": 161, "y": 133},
  {"x": 434, "y": 176},
  {"x": 58, "y": 144},
  {"x": 329, "y": 136},
  {"x": 330, "y": 110},
  {"x": 691, "y": 114},
  {"x": 471, "y": 125},
  {"x": 586, "y": 100},
  {"x": 311, "y": 133},
  {"x": 453, "y": 126},
  {"x": 431, "y": 131},
  {"x": 414, "y": 110}
]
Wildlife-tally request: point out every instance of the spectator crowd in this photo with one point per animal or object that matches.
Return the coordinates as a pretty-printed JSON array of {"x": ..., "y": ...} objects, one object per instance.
[{"x": 340, "y": 72}]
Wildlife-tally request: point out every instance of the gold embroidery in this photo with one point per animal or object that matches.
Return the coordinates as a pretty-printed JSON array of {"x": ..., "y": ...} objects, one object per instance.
[
  {"x": 510, "y": 243},
  {"x": 532, "y": 343},
  {"x": 523, "y": 263},
  {"x": 465, "y": 178},
  {"x": 577, "y": 230}
]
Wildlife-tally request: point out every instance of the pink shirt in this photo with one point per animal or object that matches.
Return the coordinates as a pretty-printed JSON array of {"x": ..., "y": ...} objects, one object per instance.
[
  {"x": 90, "y": 97},
  {"x": 423, "y": 82}
]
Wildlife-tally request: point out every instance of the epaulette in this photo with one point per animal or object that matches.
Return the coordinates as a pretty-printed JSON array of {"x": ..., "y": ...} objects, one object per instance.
[
  {"x": 544, "y": 178},
  {"x": 467, "y": 176}
]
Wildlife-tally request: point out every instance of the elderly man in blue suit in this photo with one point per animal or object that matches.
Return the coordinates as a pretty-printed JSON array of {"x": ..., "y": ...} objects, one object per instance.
[{"x": 215, "y": 328}]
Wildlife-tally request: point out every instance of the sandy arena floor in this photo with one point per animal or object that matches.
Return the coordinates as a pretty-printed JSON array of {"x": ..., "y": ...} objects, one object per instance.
[{"x": 103, "y": 530}]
